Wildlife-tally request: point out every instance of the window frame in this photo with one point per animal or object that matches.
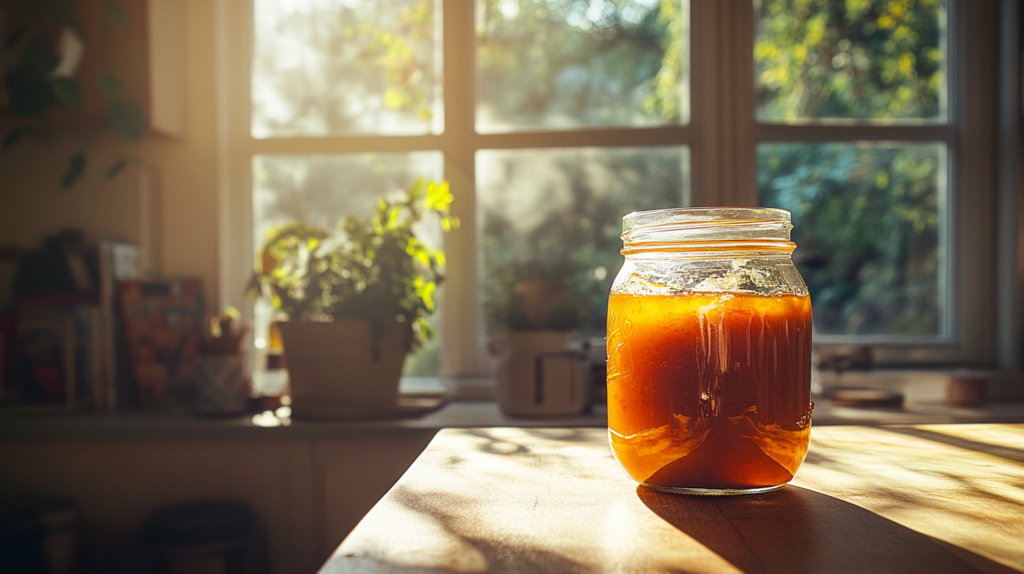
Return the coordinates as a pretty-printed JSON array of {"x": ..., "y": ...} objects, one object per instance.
[
  {"x": 726, "y": 30},
  {"x": 722, "y": 136}
]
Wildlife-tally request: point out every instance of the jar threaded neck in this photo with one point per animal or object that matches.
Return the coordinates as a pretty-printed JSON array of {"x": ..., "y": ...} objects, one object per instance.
[{"x": 708, "y": 229}]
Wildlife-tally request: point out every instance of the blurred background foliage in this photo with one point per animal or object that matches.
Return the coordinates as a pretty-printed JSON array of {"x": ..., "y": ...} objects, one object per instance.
[
  {"x": 857, "y": 59},
  {"x": 556, "y": 215},
  {"x": 866, "y": 223},
  {"x": 325, "y": 67},
  {"x": 567, "y": 63},
  {"x": 867, "y": 217},
  {"x": 321, "y": 189}
]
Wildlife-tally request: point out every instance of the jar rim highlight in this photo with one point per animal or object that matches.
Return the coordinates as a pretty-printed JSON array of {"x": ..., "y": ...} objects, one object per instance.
[
  {"x": 708, "y": 229},
  {"x": 699, "y": 215}
]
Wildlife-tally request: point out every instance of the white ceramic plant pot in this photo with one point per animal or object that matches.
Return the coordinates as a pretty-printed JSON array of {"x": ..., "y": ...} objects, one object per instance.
[
  {"x": 541, "y": 373},
  {"x": 333, "y": 373}
]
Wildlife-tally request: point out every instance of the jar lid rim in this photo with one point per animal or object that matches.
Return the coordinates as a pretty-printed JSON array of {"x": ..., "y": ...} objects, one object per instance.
[{"x": 684, "y": 215}]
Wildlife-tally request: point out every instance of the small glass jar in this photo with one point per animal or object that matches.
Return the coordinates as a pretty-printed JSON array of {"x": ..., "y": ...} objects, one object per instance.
[{"x": 709, "y": 351}]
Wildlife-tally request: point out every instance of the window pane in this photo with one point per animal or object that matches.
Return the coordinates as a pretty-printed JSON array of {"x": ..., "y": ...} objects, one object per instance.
[
  {"x": 553, "y": 218},
  {"x": 868, "y": 224},
  {"x": 335, "y": 67},
  {"x": 563, "y": 63},
  {"x": 321, "y": 189},
  {"x": 850, "y": 59}
]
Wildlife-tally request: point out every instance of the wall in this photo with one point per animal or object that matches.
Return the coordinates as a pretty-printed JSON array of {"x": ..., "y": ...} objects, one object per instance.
[
  {"x": 307, "y": 494},
  {"x": 32, "y": 204}
]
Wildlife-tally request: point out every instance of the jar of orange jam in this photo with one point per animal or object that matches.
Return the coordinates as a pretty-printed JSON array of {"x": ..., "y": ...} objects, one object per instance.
[{"x": 709, "y": 351}]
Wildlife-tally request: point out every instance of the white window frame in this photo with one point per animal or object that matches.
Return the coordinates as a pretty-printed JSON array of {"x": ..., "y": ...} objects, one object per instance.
[{"x": 722, "y": 137}]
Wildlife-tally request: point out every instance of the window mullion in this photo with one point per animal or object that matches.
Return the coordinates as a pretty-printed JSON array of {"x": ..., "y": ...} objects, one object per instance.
[
  {"x": 722, "y": 108},
  {"x": 737, "y": 86},
  {"x": 600, "y": 137},
  {"x": 342, "y": 144},
  {"x": 863, "y": 132},
  {"x": 233, "y": 64},
  {"x": 462, "y": 354},
  {"x": 974, "y": 101},
  {"x": 705, "y": 64}
]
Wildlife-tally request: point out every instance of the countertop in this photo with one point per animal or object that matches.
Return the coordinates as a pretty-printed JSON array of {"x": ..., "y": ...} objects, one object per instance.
[{"x": 904, "y": 498}]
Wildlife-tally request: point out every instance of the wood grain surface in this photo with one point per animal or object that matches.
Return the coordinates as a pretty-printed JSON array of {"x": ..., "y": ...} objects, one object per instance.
[{"x": 940, "y": 498}]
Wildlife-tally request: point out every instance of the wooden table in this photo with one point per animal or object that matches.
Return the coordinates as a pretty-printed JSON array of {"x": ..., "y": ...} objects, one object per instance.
[{"x": 939, "y": 498}]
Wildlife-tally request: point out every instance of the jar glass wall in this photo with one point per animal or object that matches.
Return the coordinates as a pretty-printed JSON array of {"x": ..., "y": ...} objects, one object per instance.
[{"x": 709, "y": 351}]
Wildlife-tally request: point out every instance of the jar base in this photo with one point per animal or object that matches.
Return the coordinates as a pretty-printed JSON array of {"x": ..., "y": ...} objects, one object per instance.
[{"x": 711, "y": 491}]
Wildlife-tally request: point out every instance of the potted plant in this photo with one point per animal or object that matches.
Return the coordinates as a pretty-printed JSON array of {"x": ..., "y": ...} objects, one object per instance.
[
  {"x": 542, "y": 367},
  {"x": 356, "y": 301},
  {"x": 41, "y": 62}
]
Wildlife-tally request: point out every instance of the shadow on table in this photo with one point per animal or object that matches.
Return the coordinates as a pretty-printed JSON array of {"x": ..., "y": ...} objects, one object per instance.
[
  {"x": 796, "y": 530},
  {"x": 1007, "y": 452},
  {"x": 475, "y": 553}
]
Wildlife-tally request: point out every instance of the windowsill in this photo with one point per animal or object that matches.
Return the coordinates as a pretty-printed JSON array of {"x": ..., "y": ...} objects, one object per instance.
[
  {"x": 471, "y": 404},
  {"x": 157, "y": 426}
]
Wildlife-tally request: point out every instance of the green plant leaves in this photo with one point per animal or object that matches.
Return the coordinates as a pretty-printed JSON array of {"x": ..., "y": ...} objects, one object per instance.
[
  {"x": 112, "y": 13},
  {"x": 68, "y": 93},
  {"x": 116, "y": 168},
  {"x": 14, "y": 37},
  {"x": 111, "y": 87},
  {"x": 15, "y": 135},
  {"x": 59, "y": 11},
  {"x": 39, "y": 56},
  {"x": 537, "y": 295},
  {"x": 129, "y": 119},
  {"x": 76, "y": 167},
  {"x": 29, "y": 91},
  {"x": 379, "y": 271}
]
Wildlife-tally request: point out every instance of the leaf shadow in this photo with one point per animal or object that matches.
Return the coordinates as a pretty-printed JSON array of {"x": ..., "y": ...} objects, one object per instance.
[{"x": 441, "y": 508}]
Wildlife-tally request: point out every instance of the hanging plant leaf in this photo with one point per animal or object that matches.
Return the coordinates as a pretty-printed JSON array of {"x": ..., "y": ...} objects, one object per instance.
[
  {"x": 112, "y": 13},
  {"x": 12, "y": 137},
  {"x": 51, "y": 10},
  {"x": 16, "y": 134},
  {"x": 40, "y": 57},
  {"x": 76, "y": 167},
  {"x": 30, "y": 92},
  {"x": 14, "y": 37},
  {"x": 68, "y": 93},
  {"x": 74, "y": 23},
  {"x": 129, "y": 119},
  {"x": 39, "y": 10},
  {"x": 116, "y": 168},
  {"x": 112, "y": 88}
]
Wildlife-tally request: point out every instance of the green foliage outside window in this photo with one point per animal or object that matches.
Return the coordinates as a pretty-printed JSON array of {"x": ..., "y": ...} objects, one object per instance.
[
  {"x": 561, "y": 63},
  {"x": 867, "y": 218},
  {"x": 858, "y": 59},
  {"x": 866, "y": 225},
  {"x": 569, "y": 228}
]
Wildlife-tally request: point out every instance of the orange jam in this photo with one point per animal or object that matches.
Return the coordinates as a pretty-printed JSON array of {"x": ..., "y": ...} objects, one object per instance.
[{"x": 709, "y": 390}]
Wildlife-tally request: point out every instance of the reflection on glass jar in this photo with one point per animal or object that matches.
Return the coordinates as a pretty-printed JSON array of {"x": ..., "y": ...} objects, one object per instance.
[{"x": 709, "y": 351}]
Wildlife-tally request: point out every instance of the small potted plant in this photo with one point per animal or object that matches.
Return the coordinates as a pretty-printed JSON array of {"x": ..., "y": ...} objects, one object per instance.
[
  {"x": 539, "y": 308},
  {"x": 356, "y": 301}
]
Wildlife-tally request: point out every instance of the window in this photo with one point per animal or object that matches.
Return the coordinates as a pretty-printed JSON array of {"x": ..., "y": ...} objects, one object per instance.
[
  {"x": 859, "y": 110},
  {"x": 871, "y": 209},
  {"x": 553, "y": 118}
]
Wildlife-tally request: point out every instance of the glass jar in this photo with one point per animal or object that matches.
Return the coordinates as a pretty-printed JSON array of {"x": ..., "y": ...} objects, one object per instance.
[{"x": 709, "y": 351}]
